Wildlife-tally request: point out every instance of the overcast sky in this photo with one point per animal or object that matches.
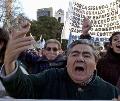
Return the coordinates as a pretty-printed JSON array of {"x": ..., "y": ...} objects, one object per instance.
[{"x": 30, "y": 6}]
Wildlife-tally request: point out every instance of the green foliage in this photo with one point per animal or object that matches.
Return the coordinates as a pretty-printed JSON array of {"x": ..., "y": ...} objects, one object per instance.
[
  {"x": 64, "y": 44},
  {"x": 48, "y": 27}
]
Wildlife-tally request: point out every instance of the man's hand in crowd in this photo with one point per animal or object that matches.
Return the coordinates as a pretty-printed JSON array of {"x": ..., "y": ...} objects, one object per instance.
[
  {"x": 17, "y": 43},
  {"x": 86, "y": 25}
]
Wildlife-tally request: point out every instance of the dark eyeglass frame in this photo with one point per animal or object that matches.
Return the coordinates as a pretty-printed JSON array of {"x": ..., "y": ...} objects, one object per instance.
[{"x": 54, "y": 49}]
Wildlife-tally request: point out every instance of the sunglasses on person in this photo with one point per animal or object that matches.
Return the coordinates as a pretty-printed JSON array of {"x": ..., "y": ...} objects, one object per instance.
[{"x": 54, "y": 49}]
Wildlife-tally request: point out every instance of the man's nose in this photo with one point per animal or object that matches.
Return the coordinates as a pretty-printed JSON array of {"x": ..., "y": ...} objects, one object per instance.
[
  {"x": 51, "y": 51},
  {"x": 119, "y": 40},
  {"x": 80, "y": 58}
]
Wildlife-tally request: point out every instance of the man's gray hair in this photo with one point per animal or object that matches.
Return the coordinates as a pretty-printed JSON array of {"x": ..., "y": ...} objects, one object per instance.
[
  {"x": 52, "y": 41},
  {"x": 85, "y": 42}
]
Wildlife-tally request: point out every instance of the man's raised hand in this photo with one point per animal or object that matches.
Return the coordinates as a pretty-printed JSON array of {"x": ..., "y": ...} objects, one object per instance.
[{"x": 17, "y": 43}]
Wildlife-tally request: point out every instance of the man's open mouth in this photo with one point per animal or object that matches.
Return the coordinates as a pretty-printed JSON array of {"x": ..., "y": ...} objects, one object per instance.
[
  {"x": 79, "y": 68},
  {"x": 118, "y": 46}
]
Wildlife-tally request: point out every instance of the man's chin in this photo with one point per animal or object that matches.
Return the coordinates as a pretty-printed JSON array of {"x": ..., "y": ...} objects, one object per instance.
[
  {"x": 118, "y": 52},
  {"x": 79, "y": 79}
]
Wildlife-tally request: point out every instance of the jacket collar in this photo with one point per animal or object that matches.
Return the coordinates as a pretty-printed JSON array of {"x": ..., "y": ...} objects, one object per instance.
[
  {"x": 58, "y": 58},
  {"x": 92, "y": 82}
]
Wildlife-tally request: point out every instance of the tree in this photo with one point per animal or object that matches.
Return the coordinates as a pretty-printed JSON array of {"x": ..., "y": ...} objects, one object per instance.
[
  {"x": 9, "y": 10},
  {"x": 46, "y": 26}
]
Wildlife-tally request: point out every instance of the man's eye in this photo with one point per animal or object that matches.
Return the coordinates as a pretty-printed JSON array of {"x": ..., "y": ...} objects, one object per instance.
[
  {"x": 74, "y": 54},
  {"x": 115, "y": 39},
  {"x": 87, "y": 56}
]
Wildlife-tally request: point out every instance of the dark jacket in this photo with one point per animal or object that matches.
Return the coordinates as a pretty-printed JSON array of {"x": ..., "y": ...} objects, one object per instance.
[
  {"x": 56, "y": 84},
  {"x": 36, "y": 64},
  {"x": 108, "y": 67}
]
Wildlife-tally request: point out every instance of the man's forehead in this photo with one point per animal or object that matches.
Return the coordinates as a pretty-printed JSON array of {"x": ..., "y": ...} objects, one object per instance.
[
  {"x": 84, "y": 50},
  {"x": 118, "y": 35},
  {"x": 52, "y": 45},
  {"x": 82, "y": 47}
]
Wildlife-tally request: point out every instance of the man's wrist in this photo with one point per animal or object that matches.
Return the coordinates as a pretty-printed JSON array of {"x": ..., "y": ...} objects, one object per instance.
[
  {"x": 9, "y": 76},
  {"x": 9, "y": 67}
]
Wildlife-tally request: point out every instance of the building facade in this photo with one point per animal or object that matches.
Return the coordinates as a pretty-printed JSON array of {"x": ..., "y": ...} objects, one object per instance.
[
  {"x": 59, "y": 15},
  {"x": 45, "y": 12}
]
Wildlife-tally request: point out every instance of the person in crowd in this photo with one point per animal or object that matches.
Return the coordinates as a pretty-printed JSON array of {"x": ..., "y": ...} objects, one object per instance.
[
  {"x": 108, "y": 67},
  {"x": 40, "y": 51},
  {"x": 86, "y": 26},
  {"x": 4, "y": 38},
  {"x": 51, "y": 58},
  {"x": 105, "y": 49},
  {"x": 77, "y": 80},
  {"x": 101, "y": 50},
  {"x": 52, "y": 54},
  {"x": 34, "y": 51},
  {"x": 106, "y": 45}
]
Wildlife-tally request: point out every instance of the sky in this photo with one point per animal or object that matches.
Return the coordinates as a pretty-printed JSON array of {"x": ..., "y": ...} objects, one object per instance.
[{"x": 30, "y": 6}]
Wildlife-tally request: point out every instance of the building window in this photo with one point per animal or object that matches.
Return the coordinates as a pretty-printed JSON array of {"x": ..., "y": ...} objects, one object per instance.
[{"x": 59, "y": 19}]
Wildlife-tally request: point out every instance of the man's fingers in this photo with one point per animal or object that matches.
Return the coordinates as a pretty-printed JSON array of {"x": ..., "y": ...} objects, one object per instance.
[
  {"x": 17, "y": 44},
  {"x": 20, "y": 42},
  {"x": 13, "y": 55},
  {"x": 24, "y": 39},
  {"x": 27, "y": 43},
  {"x": 26, "y": 25},
  {"x": 24, "y": 28},
  {"x": 86, "y": 25}
]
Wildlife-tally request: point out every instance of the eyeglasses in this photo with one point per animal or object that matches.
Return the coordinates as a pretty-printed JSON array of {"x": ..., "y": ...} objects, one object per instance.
[{"x": 54, "y": 49}]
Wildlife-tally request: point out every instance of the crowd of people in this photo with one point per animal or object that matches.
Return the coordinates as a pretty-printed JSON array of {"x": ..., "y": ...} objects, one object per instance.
[
  {"x": 51, "y": 57},
  {"x": 81, "y": 73}
]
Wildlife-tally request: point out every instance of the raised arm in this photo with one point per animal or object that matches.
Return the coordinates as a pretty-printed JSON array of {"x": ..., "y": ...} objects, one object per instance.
[
  {"x": 86, "y": 26},
  {"x": 17, "y": 43}
]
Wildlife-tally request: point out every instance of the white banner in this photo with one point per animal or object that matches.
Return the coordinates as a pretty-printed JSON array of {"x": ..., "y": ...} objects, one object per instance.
[{"x": 104, "y": 18}]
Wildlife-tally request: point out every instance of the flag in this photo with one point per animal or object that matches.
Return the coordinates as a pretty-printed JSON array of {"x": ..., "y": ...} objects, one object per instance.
[
  {"x": 32, "y": 45},
  {"x": 40, "y": 38},
  {"x": 42, "y": 43}
]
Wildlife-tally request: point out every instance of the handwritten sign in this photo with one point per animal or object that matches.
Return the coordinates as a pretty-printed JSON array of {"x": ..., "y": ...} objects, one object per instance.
[{"x": 104, "y": 18}]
